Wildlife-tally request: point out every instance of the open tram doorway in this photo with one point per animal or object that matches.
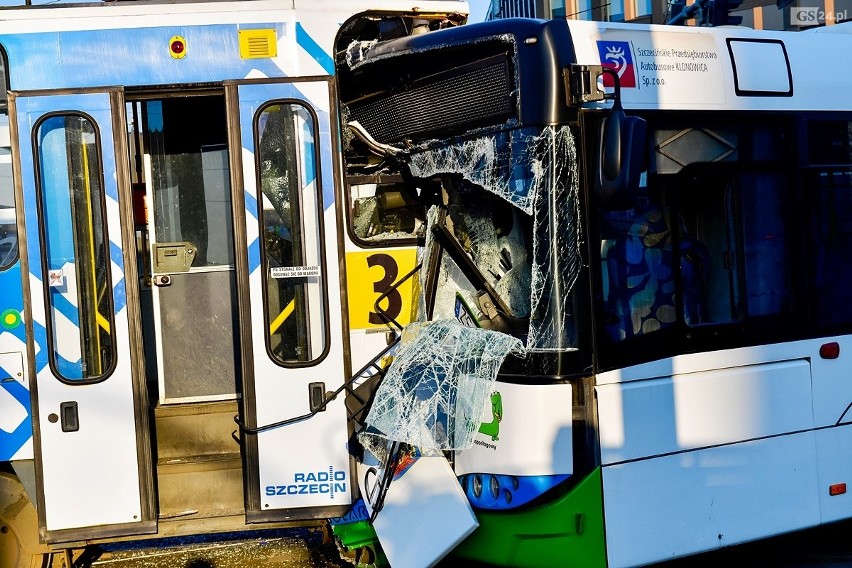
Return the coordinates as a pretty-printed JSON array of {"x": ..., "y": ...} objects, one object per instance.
[
  {"x": 179, "y": 164},
  {"x": 184, "y": 228}
]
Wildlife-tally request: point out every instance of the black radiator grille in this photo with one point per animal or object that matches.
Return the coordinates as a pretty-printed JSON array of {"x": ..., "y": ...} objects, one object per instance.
[{"x": 478, "y": 94}]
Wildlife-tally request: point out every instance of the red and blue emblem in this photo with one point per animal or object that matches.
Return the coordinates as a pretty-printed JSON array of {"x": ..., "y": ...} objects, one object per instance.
[{"x": 616, "y": 55}]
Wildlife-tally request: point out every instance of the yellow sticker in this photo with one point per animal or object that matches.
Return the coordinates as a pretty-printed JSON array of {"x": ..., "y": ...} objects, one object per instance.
[{"x": 372, "y": 273}]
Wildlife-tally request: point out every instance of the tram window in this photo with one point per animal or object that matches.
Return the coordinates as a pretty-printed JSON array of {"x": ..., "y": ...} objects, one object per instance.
[
  {"x": 385, "y": 211},
  {"x": 4, "y": 82},
  {"x": 290, "y": 200},
  {"x": 8, "y": 229},
  {"x": 76, "y": 261},
  {"x": 8, "y": 236},
  {"x": 190, "y": 179}
]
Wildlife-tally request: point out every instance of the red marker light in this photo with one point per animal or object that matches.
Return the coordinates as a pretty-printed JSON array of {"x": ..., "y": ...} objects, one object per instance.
[
  {"x": 837, "y": 489},
  {"x": 177, "y": 47},
  {"x": 829, "y": 350}
]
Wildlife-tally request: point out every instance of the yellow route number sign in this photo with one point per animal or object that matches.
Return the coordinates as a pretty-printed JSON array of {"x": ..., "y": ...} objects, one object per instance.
[{"x": 369, "y": 275}]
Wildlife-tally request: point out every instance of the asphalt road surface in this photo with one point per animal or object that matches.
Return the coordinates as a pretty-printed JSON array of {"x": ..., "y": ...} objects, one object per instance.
[{"x": 824, "y": 547}]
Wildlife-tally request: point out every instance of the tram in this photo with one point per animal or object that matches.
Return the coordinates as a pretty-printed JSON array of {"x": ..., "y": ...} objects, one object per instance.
[{"x": 177, "y": 270}]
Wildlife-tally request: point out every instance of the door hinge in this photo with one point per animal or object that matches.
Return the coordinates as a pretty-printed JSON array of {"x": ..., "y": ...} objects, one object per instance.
[{"x": 581, "y": 84}]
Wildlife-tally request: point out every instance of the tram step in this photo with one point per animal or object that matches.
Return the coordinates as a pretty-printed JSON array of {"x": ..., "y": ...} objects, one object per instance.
[
  {"x": 196, "y": 430},
  {"x": 200, "y": 487},
  {"x": 267, "y": 549}
]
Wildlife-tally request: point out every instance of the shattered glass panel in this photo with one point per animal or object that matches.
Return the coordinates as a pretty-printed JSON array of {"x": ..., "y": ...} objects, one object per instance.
[
  {"x": 500, "y": 163},
  {"x": 536, "y": 171},
  {"x": 423, "y": 256},
  {"x": 443, "y": 372},
  {"x": 494, "y": 236},
  {"x": 356, "y": 52},
  {"x": 451, "y": 288},
  {"x": 556, "y": 241},
  {"x": 433, "y": 393}
]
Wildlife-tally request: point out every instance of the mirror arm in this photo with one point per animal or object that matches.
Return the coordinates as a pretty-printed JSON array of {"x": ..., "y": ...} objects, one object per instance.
[{"x": 616, "y": 96}]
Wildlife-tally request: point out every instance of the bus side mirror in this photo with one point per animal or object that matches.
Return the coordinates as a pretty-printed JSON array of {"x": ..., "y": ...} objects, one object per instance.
[{"x": 619, "y": 159}]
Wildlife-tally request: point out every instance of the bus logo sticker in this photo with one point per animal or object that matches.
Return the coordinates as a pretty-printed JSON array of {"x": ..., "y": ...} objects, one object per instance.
[
  {"x": 616, "y": 55},
  {"x": 686, "y": 66},
  {"x": 492, "y": 428}
]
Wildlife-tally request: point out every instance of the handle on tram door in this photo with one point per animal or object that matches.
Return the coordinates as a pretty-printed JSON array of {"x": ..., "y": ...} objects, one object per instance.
[
  {"x": 68, "y": 416},
  {"x": 316, "y": 396}
]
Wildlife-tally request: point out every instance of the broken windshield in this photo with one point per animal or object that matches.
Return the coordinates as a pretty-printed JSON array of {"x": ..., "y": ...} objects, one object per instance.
[
  {"x": 501, "y": 259},
  {"x": 511, "y": 206}
]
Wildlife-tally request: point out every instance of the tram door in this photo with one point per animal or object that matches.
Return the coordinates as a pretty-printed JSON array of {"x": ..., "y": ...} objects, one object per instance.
[
  {"x": 90, "y": 412},
  {"x": 290, "y": 299},
  {"x": 189, "y": 286},
  {"x": 181, "y": 180},
  {"x": 240, "y": 298}
]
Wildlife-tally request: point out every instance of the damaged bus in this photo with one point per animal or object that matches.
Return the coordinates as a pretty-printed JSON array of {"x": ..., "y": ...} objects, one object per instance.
[
  {"x": 173, "y": 271},
  {"x": 630, "y": 319}
]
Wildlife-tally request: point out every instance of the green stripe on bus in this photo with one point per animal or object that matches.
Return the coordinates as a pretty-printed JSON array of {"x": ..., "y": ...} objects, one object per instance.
[{"x": 567, "y": 531}]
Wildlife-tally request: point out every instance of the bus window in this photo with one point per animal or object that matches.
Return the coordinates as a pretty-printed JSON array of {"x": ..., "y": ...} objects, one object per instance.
[
  {"x": 679, "y": 222},
  {"x": 766, "y": 259},
  {"x": 76, "y": 257},
  {"x": 705, "y": 242},
  {"x": 709, "y": 247},
  {"x": 734, "y": 261},
  {"x": 291, "y": 225},
  {"x": 637, "y": 269},
  {"x": 829, "y": 180}
]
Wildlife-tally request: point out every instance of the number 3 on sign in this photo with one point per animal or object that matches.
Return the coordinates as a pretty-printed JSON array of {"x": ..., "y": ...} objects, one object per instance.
[{"x": 371, "y": 274}]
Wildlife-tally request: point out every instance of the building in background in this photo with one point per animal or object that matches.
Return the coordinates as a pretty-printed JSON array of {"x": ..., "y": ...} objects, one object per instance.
[{"x": 757, "y": 14}]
